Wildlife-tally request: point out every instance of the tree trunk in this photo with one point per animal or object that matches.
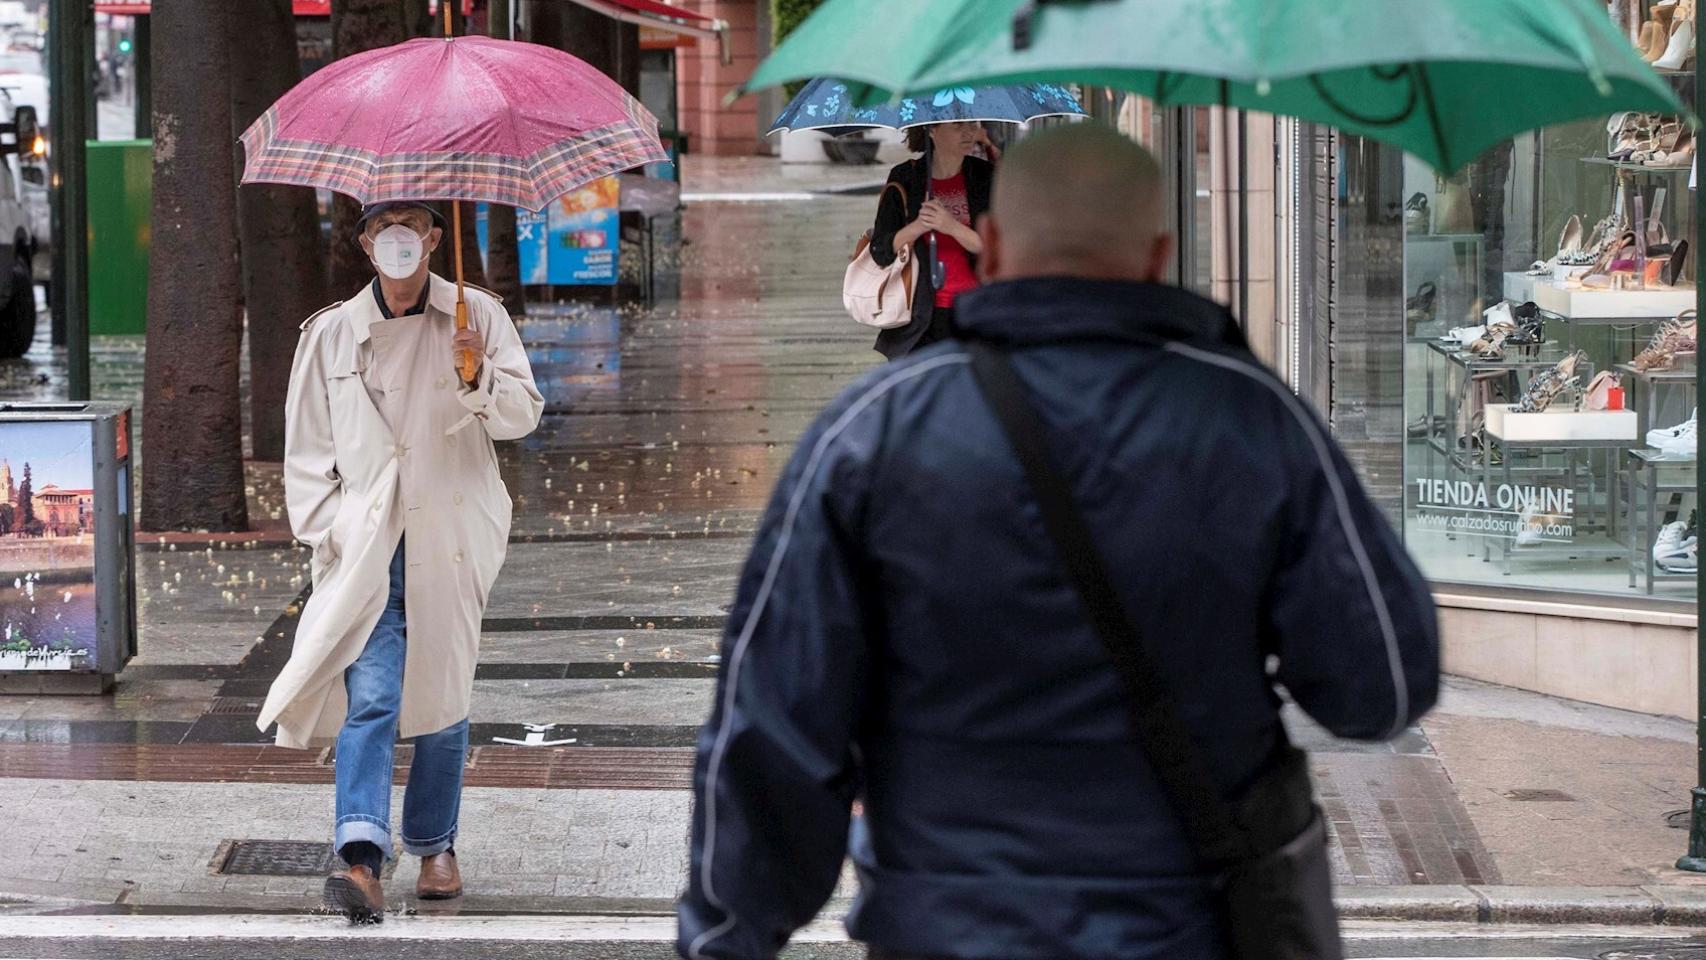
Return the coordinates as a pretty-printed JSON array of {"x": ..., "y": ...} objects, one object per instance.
[
  {"x": 191, "y": 407},
  {"x": 503, "y": 259},
  {"x": 358, "y": 26},
  {"x": 351, "y": 270},
  {"x": 610, "y": 46},
  {"x": 284, "y": 256},
  {"x": 443, "y": 263},
  {"x": 473, "y": 270}
]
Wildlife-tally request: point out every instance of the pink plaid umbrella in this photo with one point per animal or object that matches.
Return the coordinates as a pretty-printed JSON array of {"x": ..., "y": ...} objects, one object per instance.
[
  {"x": 452, "y": 119},
  {"x": 464, "y": 118}
]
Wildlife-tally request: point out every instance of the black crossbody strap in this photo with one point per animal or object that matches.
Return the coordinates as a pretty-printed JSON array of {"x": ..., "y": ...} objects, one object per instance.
[{"x": 1175, "y": 757}]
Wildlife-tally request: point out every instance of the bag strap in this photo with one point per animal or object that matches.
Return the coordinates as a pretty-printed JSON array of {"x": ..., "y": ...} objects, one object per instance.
[
  {"x": 1176, "y": 759},
  {"x": 905, "y": 272},
  {"x": 905, "y": 203}
]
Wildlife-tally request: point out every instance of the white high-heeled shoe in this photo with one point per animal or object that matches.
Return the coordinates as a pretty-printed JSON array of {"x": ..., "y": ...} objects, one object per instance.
[{"x": 1681, "y": 46}]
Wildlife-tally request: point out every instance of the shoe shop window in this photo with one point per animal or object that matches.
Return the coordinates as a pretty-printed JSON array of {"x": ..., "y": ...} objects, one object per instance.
[{"x": 1550, "y": 357}]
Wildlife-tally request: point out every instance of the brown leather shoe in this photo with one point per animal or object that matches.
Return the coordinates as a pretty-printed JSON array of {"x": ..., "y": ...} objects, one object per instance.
[
  {"x": 440, "y": 879},
  {"x": 356, "y": 893}
]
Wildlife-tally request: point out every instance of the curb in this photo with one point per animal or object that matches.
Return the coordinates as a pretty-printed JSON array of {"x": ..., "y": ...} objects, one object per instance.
[
  {"x": 1622, "y": 906},
  {"x": 1652, "y": 905}
]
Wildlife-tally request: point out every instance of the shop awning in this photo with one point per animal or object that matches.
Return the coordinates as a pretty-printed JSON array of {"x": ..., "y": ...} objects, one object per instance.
[
  {"x": 140, "y": 8},
  {"x": 668, "y": 17}
]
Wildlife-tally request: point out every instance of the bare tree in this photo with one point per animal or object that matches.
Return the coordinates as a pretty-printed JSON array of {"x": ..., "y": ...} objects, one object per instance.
[
  {"x": 191, "y": 406},
  {"x": 284, "y": 255}
]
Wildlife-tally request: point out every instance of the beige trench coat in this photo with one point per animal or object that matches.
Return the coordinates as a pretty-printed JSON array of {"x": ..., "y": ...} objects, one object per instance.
[{"x": 355, "y": 485}]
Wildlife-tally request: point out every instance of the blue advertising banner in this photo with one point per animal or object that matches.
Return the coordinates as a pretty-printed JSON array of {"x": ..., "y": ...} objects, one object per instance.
[
  {"x": 585, "y": 234},
  {"x": 574, "y": 241}
]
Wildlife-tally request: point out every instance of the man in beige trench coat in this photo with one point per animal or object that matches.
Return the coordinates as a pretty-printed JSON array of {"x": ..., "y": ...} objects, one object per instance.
[{"x": 392, "y": 479}]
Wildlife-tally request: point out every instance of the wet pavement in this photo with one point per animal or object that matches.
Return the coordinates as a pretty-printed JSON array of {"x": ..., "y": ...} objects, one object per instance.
[{"x": 666, "y": 427}]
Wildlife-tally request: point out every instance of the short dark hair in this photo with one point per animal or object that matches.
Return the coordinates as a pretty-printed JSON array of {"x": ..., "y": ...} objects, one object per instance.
[{"x": 918, "y": 138}]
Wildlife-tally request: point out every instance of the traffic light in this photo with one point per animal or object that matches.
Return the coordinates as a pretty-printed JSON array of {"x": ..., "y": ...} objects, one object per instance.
[{"x": 124, "y": 45}]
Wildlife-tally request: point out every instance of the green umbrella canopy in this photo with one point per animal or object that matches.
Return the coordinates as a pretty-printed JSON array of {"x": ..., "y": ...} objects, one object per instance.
[{"x": 1442, "y": 79}]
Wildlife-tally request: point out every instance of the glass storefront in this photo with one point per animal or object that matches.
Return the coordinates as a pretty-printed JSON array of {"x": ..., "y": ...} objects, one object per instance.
[
  {"x": 1549, "y": 362},
  {"x": 1506, "y": 355}
]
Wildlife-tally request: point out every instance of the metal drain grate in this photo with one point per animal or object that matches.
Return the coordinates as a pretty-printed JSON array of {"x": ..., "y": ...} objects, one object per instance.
[
  {"x": 1530, "y": 795},
  {"x": 276, "y": 858},
  {"x": 234, "y": 706}
]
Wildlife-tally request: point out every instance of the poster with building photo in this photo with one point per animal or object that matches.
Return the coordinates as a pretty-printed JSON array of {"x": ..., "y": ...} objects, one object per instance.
[{"x": 47, "y": 546}]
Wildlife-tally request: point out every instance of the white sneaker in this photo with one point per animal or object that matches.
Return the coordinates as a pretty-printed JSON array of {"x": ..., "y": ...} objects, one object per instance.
[
  {"x": 1681, "y": 440},
  {"x": 1674, "y": 551}
]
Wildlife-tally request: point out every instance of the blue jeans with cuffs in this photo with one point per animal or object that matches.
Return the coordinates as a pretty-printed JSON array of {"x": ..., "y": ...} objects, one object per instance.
[{"x": 367, "y": 743}]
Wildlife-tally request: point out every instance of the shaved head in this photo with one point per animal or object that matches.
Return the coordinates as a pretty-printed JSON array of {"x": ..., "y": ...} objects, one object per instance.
[{"x": 1081, "y": 200}]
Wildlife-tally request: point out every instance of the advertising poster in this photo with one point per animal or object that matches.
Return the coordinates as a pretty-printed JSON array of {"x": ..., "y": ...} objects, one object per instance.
[
  {"x": 531, "y": 232},
  {"x": 47, "y": 546},
  {"x": 575, "y": 241},
  {"x": 585, "y": 234}
]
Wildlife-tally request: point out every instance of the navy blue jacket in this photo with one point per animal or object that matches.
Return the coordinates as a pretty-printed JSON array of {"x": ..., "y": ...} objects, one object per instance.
[{"x": 904, "y": 634}]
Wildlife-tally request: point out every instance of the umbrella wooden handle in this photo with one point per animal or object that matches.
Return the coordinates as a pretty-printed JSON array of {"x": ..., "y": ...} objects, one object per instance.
[{"x": 466, "y": 362}]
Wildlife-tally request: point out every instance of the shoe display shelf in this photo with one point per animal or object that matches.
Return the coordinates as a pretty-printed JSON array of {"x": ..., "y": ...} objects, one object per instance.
[
  {"x": 1645, "y": 389},
  {"x": 1583, "y": 305},
  {"x": 1578, "y": 304},
  {"x": 1519, "y": 286},
  {"x": 1595, "y": 513},
  {"x": 1646, "y": 474},
  {"x": 1450, "y": 372},
  {"x": 1574, "y": 439},
  {"x": 1655, "y": 169}
]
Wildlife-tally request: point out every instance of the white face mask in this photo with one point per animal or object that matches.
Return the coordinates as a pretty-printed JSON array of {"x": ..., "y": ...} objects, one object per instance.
[{"x": 397, "y": 251}]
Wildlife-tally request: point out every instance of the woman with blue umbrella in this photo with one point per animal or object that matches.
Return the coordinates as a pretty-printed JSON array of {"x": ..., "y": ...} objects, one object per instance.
[
  {"x": 936, "y": 197},
  {"x": 943, "y": 193}
]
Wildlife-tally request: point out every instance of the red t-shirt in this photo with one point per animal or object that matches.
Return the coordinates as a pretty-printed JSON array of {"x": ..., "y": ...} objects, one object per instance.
[{"x": 956, "y": 263}]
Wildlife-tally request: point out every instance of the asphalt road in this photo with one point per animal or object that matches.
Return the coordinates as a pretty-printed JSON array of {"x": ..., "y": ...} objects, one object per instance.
[{"x": 560, "y": 938}]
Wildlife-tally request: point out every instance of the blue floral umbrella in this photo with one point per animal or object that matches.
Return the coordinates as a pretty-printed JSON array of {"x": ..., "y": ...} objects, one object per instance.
[{"x": 824, "y": 105}]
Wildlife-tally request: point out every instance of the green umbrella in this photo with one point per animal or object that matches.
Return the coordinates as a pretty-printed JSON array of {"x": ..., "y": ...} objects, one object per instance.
[{"x": 1442, "y": 79}]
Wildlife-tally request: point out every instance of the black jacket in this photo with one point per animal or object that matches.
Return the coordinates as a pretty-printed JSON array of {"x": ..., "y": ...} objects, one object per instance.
[
  {"x": 904, "y": 633},
  {"x": 912, "y": 175}
]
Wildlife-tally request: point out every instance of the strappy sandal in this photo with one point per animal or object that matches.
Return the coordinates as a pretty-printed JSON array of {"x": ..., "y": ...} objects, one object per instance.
[
  {"x": 1531, "y": 326},
  {"x": 1491, "y": 345},
  {"x": 1547, "y": 386},
  {"x": 1676, "y": 337},
  {"x": 1416, "y": 216},
  {"x": 1629, "y": 133},
  {"x": 1419, "y": 309},
  {"x": 1610, "y": 260},
  {"x": 1680, "y": 152}
]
